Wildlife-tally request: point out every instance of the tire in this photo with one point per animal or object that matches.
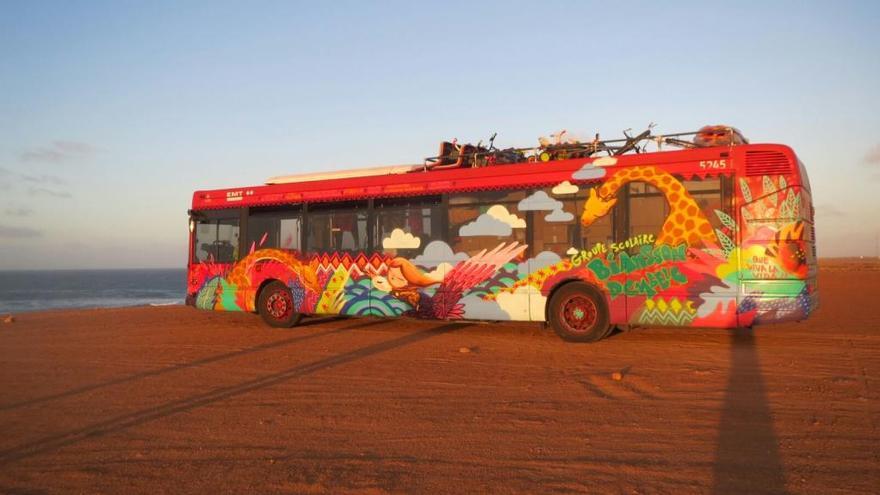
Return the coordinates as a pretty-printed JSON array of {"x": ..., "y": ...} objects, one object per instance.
[
  {"x": 578, "y": 313},
  {"x": 275, "y": 306}
]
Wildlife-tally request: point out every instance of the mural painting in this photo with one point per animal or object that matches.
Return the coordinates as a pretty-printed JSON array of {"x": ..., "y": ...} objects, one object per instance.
[{"x": 702, "y": 267}]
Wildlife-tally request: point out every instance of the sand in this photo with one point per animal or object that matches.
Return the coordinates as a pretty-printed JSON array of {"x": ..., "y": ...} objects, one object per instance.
[{"x": 175, "y": 400}]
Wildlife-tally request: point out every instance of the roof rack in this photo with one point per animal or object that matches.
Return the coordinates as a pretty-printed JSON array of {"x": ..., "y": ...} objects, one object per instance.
[{"x": 453, "y": 155}]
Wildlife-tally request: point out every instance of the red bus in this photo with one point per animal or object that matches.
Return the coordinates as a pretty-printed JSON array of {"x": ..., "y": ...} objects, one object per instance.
[{"x": 585, "y": 236}]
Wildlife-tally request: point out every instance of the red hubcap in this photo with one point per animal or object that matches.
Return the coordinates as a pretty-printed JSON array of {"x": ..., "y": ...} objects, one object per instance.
[
  {"x": 280, "y": 305},
  {"x": 578, "y": 313}
]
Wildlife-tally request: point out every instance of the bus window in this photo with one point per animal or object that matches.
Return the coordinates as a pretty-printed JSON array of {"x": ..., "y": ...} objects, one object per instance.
[
  {"x": 206, "y": 234},
  {"x": 262, "y": 231},
  {"x": 647, "y": 210},
  {"x": 473, "y": 227},
  {"x": 601, "y": 231},
  {"x": 338, "y": 228},
  {"x": 649, "y": 207},
  {"x": 712, "y": 194},
  {"x": 290, "y": 234},
  {"x": 217, "y": 239},
  {"x": 276, "y": 228},
  {"x": 555, "y": 230},
  {"x": 227, "y": 240},
  {"x": 417, "y": 221}
]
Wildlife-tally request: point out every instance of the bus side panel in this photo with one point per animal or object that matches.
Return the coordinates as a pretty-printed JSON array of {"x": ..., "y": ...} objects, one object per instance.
[
  {"x": 523, "y": 303},
  {"x": 210, "y": 288},
  {"x": 668, "y": 271},
  {"x": 671, "y": 264},
  {"x": 447, "y": 288},
  {"x": 234, "y": 287}
]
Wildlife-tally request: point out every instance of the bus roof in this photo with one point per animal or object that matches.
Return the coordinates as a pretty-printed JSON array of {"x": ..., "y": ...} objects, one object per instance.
[{"x": 391, "y": 182}]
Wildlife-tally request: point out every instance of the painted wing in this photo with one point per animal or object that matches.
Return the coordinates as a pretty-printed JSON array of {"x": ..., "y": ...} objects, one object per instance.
[{"x": 470, "y": 273}]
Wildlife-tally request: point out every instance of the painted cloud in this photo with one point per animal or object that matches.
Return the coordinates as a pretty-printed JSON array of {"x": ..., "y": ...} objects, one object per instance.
[
  {"x": 564, "y": 187},
  {"x": 588, "y": 172},
  {"x": 605, "y": 161},
  {"x": 437, "y": 253},
  {"x": 497, "y": 221},
  {"x": 515, "y": 303},
  {"x": 440, "y": 272},
  {"x": 401, "y": 240},
  {"x": 520, "y": 304},
  {"x": 489, "y": 310},
  {"x": 501, "y": 213},
  {"x": 541, "y": 260},
  {"x": 559, "y": 216},
  {"x": 539, "y": 201}
]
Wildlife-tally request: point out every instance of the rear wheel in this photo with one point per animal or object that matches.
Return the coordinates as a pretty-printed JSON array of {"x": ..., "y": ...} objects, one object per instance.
[
  {"x": 578, "y": 313},
  {"x": 276, "y": 306}
]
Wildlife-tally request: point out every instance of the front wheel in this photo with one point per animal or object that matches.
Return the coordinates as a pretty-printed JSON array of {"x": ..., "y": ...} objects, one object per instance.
[
  {"x": 578, "y": 313},
  {"x": 276, "y": 306}
]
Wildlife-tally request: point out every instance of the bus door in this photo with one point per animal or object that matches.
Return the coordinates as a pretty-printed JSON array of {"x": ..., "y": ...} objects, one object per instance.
[{"x": 216, "y": 245}]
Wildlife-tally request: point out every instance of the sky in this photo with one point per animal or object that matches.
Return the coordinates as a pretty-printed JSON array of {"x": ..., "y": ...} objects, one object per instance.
[{"x": 113, "y": 113}]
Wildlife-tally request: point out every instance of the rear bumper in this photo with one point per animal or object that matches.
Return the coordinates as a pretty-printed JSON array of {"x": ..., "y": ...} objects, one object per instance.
[
  {"x": 776, "y": 301},
  {"x": 814, "y": 301}
]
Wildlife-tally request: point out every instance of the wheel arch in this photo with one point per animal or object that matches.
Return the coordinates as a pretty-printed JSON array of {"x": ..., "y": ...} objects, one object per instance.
[
  {"x": 259, "y": 290},
  {"x": 569, "y": 281}
]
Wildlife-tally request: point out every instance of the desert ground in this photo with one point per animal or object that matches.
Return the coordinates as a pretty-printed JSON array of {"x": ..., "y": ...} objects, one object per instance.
[{"x": 175, "y": 400}]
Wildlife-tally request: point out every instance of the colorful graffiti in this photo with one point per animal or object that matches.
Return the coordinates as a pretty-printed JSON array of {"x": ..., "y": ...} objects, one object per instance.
[
  {"x": 685, "y": 222},
  {"x": 378, "y": 285},
  {"x": 653, "y": 264},
  {"x": 703, "y": 267},
  {"x": 673, "y": 313},
  {"x": 406, "y": 282}
]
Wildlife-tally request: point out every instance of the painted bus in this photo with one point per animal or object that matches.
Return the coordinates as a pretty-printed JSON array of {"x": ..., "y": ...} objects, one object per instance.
[{"x": 708, "y": 232}]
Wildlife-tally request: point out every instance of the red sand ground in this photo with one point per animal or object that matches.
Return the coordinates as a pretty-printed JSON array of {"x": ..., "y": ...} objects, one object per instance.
[{"x": 169, "y": 400}]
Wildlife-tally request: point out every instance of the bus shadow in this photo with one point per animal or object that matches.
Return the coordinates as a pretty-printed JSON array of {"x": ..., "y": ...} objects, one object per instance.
[
  {"x": 747, "y": 457},
  {"x": 142, "y": 416},
  {"x": 194, "y": 364}
]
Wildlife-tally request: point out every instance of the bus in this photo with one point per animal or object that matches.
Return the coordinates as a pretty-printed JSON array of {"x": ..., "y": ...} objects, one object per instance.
[{"x": 706, "y": 230}]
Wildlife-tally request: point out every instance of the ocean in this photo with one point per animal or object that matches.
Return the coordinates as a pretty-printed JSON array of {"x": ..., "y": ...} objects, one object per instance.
[{"x": 36, "y": 290}]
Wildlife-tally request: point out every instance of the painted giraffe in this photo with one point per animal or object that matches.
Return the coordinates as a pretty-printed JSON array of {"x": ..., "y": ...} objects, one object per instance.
[
  {"x": 537, "y": 278},
  {"x": 685, "y": 223}
]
